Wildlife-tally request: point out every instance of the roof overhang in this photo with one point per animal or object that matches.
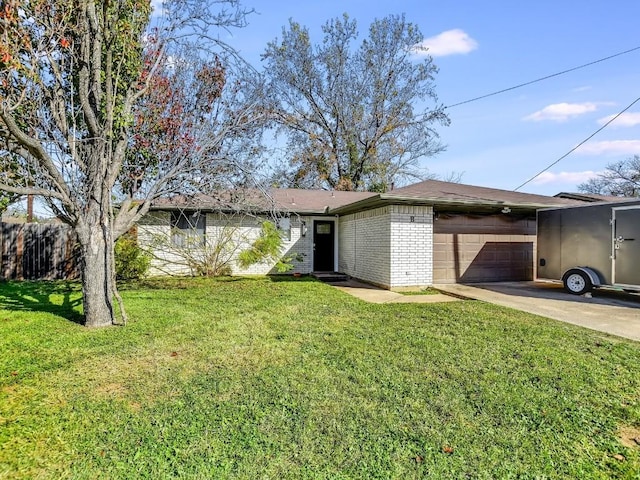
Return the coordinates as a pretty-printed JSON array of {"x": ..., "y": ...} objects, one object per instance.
[
  {"x": 472, "y": 205},
  {"x": 621, "y": 203},
  {"x": 250, "y": 210}
]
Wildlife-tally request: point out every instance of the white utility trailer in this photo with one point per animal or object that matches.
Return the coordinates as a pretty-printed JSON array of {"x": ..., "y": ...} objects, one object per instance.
[{"x": 590, "y": 246}]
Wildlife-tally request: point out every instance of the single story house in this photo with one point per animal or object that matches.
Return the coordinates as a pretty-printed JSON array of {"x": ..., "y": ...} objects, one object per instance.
[{"x": 422, "y": 234}]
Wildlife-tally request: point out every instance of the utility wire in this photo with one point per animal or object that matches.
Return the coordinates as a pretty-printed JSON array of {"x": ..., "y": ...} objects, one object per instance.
[
  {"x": 579, "y": 145},
  {"x": 544, "y": 78}
]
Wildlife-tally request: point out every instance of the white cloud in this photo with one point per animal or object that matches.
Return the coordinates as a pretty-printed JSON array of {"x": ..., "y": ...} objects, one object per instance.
[
  {"x": 564, "y": 177},
  {"x": 451, "y": 42},
  {"x": 625, "y": 120},
  {"x": 611, "y": 147},
  {"x": 561, "y": 112}
]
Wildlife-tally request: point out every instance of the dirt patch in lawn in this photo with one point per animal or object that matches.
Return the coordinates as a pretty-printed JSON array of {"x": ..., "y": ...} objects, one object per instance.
[
  {"x": 630, "y": 436},
  {"x": 111, "y": 390}
]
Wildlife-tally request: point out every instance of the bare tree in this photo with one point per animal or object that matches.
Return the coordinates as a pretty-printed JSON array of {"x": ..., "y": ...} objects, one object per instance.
[
  {"x": 351, "y": 115},
  {"x": 75, "y": 79},
  {"x": 620, "y": 179}
]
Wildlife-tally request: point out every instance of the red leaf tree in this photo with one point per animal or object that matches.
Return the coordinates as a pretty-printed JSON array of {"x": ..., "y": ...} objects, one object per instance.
[{"x": 105, "y": 107}]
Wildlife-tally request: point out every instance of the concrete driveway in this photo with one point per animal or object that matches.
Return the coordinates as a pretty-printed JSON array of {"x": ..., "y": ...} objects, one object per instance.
[{"x": 606, "y": 311}]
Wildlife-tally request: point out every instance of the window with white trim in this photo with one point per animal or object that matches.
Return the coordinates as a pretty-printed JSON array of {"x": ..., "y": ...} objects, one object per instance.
[{"x": 188, "y": 228}]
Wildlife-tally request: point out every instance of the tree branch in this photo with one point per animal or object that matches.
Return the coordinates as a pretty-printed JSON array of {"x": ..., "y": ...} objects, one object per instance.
[{"x": 31, "y": 191}]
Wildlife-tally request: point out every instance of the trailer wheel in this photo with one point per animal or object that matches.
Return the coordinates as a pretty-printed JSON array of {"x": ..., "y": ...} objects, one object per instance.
[{"x": 577, "y": 282}]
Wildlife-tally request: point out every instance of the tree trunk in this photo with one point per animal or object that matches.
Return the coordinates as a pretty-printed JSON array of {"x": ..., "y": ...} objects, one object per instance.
[{"x": 97, "y": 274}]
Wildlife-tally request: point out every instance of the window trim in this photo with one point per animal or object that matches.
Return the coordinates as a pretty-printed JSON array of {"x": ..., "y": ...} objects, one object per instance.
[{"x": 188, "y": 228}]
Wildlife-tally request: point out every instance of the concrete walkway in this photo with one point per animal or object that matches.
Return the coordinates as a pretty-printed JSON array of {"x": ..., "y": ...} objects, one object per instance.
[
  {"x": 372, "y": 294},
  {"x": 610, "y": 312}
]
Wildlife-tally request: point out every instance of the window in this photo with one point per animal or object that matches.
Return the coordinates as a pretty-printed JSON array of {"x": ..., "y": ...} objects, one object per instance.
[
  {"x": 323, "y": 228},
  {"x": 187, "y": 229},
  {"x": 284, "y": 226}
]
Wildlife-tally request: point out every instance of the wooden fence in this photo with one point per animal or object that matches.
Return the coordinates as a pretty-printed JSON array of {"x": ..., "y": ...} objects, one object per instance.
[{"x": 34, "y": 251}]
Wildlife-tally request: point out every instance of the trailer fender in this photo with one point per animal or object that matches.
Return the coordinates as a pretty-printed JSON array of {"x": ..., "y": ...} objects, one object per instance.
[{"x": 579, "y": 280}]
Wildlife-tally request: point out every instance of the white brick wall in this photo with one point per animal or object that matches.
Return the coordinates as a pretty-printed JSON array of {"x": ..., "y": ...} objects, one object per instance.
[
  {"x": 154, "y": 232},
  {"x": 364, "y": 245},
  {"x": 297, "y": 244},
  {"x": 389, "y": 246},
  {"x": 411, "y": 246},
  {"x": 153, "y": 229}
]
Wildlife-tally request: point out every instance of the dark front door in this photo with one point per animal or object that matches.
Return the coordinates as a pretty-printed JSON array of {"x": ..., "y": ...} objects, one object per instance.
[{"x": 323, "y": 246}]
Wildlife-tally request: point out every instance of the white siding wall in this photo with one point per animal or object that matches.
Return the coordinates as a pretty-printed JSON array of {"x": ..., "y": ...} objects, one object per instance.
[
  {"x": 154, "y": 232},
  {"x": 388, "y": 246}
]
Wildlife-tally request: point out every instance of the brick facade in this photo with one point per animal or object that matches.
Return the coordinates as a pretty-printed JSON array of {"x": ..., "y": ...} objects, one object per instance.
[
  {"x": 365, "y": 245},
  {"x": 388, "y": 246},
  {"x": 393, "y": 246},
  {"x": 412, "y": 246}
]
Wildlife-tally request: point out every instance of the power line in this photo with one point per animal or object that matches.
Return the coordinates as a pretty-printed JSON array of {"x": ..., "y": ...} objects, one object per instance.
[
  {"x": 579, "y": 145},
  {"x": 544, "y": 78}
]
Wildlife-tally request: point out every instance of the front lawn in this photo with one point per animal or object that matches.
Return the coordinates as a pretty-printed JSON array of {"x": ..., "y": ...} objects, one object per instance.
[{"x": 256, "y": 378}]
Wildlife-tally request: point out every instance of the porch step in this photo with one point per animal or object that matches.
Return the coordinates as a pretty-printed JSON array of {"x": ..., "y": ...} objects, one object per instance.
[{"x": 330, "y": 277}]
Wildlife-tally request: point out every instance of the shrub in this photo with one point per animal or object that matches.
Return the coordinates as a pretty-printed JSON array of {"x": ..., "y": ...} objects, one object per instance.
[
  {"x": 131, "y": 261},
  {"x": 267, "y": 247},
  {"x": 211, "y": 268}
]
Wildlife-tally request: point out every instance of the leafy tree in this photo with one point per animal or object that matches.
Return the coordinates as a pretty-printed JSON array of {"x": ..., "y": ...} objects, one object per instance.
[
  {"x": 89, "y": 94},
  {"x": 10, "y": 167},
  {"x": 350, "y": 113},
  {"x": 620, "y": 179},
  {"x": 6, "y": 200}
]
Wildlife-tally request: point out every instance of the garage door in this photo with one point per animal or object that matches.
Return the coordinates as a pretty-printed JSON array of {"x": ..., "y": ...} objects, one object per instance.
[{"x": 488, "y": 248}]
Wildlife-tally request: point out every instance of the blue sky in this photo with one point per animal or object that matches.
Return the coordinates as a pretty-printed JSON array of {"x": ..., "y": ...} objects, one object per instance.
[{"x": 484, "y": 46}]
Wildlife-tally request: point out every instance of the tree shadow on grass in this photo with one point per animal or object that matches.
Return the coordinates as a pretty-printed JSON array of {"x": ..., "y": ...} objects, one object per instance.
[
  {"x": 63, "y": 299},
  {"x": 177, "y": 282}
]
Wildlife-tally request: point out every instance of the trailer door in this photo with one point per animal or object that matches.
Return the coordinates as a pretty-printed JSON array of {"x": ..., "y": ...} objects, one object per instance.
[{"x": 626, "y": 246}]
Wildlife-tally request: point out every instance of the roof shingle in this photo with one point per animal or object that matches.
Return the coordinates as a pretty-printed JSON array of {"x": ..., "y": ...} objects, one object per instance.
[
  {"x": 450, "y": 192},
  {"x": 428, "y": 192},
  {"x": 282, "y": 199}
]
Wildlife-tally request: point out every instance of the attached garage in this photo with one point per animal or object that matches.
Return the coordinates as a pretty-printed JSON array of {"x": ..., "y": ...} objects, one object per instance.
[
  {"x": 471, "y": 248},
  {"x": 465, "y": 234}
]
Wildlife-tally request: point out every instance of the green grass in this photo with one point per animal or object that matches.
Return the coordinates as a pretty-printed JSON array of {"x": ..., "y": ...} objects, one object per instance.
[{"x": 254, "y": 378}]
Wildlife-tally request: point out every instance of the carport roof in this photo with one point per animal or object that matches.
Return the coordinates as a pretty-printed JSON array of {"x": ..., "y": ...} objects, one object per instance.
[{"x": 589, "y": 197}]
